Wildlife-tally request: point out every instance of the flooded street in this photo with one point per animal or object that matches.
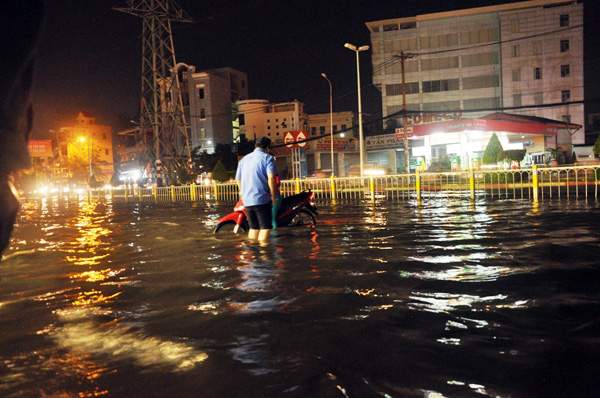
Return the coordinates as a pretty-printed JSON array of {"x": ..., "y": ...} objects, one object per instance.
[{"x": 496, "y": 299}]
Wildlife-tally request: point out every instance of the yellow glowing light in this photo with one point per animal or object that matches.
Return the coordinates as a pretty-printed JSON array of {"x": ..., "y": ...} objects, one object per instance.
[
  {"x": 82, "y": 139},
  {"x": 374, "y": 172}
]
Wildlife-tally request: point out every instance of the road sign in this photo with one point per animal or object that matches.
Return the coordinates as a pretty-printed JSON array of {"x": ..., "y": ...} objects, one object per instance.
[{"x": 291, "y": 139}]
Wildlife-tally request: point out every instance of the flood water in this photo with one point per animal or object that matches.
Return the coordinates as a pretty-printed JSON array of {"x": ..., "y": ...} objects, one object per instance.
[{"x": 498, "y": 299}]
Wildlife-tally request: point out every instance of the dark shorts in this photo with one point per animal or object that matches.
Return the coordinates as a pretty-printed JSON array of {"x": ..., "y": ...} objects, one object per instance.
[{"x": 260, "y": 217}]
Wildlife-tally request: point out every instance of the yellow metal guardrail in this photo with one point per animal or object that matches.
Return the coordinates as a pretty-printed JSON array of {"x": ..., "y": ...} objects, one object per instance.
[{"x": 532, "y": 184}]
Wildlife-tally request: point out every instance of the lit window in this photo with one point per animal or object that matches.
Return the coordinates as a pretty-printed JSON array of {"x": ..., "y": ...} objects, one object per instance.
[
  {"x": 564, "y": 46},
  {"x": 565, "y": 70}
]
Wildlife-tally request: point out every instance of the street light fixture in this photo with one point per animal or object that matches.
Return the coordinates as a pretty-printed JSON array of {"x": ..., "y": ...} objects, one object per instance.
[
  {"x": 361, "y": 137},
  {"x": 324, "y": 76}
]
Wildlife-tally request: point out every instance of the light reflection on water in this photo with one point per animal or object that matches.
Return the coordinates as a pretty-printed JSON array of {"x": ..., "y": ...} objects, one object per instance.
[{"x": 383, "y": 299}]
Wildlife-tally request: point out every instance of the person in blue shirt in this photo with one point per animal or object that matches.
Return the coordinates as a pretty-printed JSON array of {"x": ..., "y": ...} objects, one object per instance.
[{"x": 256, "y": 177}]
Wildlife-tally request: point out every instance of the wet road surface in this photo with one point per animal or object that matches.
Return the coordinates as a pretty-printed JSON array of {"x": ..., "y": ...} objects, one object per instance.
[{"x": 498, "y": 299}]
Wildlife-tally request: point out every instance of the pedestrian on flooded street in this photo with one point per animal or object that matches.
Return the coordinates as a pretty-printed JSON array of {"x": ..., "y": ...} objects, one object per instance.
[{"x": 256, "y": 177}]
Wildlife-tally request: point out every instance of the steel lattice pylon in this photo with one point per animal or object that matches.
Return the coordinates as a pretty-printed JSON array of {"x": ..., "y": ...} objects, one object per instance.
[{"x": 161, "y": 104}]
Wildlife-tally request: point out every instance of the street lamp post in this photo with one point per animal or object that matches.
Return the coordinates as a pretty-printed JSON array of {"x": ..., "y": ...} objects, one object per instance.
[
  {"x": 361, "y": 137},
  {"x": 330, "y": 120}
]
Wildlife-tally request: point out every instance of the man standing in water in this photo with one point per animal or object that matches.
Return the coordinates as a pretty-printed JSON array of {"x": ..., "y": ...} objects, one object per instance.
[{"x": 256, "y": 176}]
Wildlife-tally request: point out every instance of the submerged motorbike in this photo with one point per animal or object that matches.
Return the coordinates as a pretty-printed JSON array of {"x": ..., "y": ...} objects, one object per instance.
[{"x": 294, "y": 210}]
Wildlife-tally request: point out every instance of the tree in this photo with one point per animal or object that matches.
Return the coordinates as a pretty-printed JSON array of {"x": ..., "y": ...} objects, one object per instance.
[
  {"x": 597, "y": 146},
  {"x": 219, "y": 173},
  {"x": 493, "y": 151}
]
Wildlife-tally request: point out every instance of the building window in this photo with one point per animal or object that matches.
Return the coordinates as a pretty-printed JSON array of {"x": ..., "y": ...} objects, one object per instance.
[
  {"x": 564, "y": 19},
  {"x": 564, "y": 45},
  {"x": 566, "y": 118},
  {"x": 515, "y": 50},
  {"x": 202, "y": 113},
  {"x": 514, "y": 26},
  {"x": 343, "y": 127},
  {"x": 321, "y": 130},
  {"x": 202, "y": 133},
  {"x": 517, "y": 99},
  {"x": 408, "y": 25},
  {"x": 484, "y": 81},
  {"x": 537, "y": 73},
  {"x": 565, "y": 95},
  {"x": 313, "y": 131},
  {"x": 277, "y": 134},
  {"x": 268, "y": 127},
  {"x": 538, "y": 98},
  {"x": 565, "y": 70},
  {"x": 396, "y": 89},
  {"x": 201, "y": 93},
  {"x": 242, "y": 119},
  {"x": 433, "y": 86},
  {"x": 516, "y": 75},
  {"x": 335, "y": 128}
]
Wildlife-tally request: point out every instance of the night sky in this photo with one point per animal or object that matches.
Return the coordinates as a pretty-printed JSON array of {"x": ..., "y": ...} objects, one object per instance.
[{"x": 89, "y": 54}]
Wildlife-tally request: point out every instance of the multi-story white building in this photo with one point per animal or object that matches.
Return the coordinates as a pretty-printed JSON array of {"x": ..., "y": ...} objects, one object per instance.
[
  {"x": 320, "y": 124},
  {"x": 520, "y": 54},
  {"x": 208, "y": 98},
  {"x": 258, "y": 118}
]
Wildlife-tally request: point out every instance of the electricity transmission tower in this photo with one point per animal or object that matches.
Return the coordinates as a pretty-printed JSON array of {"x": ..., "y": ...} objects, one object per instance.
[{"x": 161, "y": 105}]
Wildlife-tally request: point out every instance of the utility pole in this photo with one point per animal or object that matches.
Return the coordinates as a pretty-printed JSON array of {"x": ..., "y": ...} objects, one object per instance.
[{"x": 404, "y": 56}]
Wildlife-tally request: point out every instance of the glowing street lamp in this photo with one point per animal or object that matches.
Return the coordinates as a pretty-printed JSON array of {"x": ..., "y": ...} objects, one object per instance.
[{"x": 357, "y": 50}]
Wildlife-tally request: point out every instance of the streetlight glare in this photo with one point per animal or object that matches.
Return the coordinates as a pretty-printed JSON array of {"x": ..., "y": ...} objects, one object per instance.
[
  {"x": 350, "y": 46},
  {"x": 82, "y": 139},
  {"x": 363, "y": 48},
  {"x": 324, "y": 75}
]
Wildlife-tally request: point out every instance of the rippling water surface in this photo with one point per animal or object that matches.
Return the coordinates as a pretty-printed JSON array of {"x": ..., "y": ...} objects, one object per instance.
[{"x": 496, "y": 299}]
